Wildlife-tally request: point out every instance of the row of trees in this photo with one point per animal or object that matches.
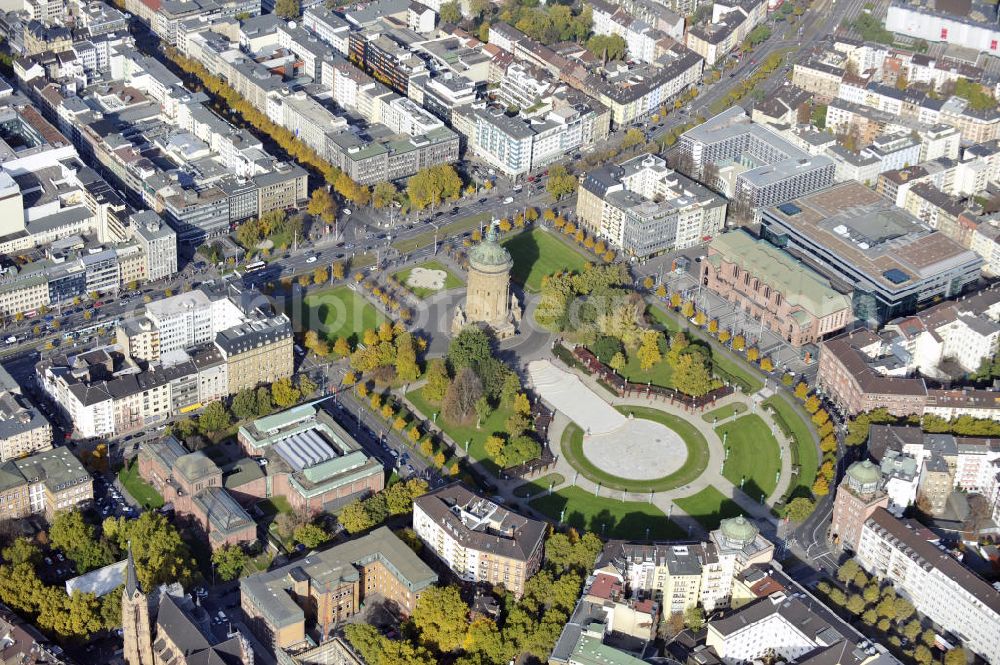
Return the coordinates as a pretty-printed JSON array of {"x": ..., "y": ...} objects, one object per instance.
[
  {"x": 400, "y": 419},
  {"x": 828, "y": 439},
  {"x": 859, "y": 426},
  {"x": 430, "y": 186},
  {"x": 216, "y": 418},
  {"x": 396, "y": 499},
  {"x": 441, "y": 631},
  {"x": 737, "y": 343},
  {"x": 586, "y": 240},
  {"x": 160, "y": 556},
  {"x": 882, "y": 610}
]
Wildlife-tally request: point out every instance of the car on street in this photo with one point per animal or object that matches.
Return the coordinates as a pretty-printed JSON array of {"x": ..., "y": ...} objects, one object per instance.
[
  {"x": 311, "y": 259},
  {"x": 509, "y": 199}
]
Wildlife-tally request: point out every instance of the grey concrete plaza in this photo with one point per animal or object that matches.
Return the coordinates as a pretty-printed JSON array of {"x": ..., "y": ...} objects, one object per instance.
[{"x": 638, "y": 450}]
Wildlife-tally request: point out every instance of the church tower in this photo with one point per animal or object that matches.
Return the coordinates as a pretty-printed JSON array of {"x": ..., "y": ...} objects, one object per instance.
[{"x": 135, "y": 618}]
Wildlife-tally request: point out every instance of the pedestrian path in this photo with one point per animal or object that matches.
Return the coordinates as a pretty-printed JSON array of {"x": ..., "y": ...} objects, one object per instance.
[{"x": 665, "y": 500}]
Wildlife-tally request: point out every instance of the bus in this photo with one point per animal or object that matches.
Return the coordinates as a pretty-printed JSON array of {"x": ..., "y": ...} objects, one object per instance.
[{"x": 256, "y": 266}]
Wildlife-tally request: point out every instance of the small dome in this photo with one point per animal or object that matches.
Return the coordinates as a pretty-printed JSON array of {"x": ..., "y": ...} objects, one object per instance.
[
  {"x": 864, "y": 473},
  {"x": 490, "y": 253},
  {"x": 738, "y": 530},
  {"x": 864, "y": 476}
]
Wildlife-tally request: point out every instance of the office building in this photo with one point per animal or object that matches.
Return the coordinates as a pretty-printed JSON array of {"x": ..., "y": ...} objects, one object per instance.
[
  {"x": 751, "y": 164},
  {"x": 479, "y": 540},
  {"x": 857, "y": 239}
]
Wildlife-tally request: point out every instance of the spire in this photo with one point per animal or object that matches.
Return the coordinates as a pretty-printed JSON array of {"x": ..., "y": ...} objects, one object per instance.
[{"x": 131, "y": 579}]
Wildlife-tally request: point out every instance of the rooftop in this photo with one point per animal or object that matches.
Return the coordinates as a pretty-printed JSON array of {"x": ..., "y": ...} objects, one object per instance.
[
  {"x": 866, "y": 232},
  {"x": 270, "y": 591},
  {"x": 481, "y": 524},
  {"x": 799, "y": 284}
]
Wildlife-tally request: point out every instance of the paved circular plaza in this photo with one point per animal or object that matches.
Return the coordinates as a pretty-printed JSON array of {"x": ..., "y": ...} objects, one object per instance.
[
  {"x": 639, "y": 450},
  {"x": 426, "y": 278}
]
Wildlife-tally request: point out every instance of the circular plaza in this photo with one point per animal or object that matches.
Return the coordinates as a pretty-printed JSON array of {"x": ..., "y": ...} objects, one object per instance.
[{"x": 637, "y": 449}]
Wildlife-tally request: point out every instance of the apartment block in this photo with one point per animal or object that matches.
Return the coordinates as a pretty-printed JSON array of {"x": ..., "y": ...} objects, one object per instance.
[
  {"x": 643, "y": 207},
  {"x": 682, "y": 575},
  {"x": 940, "y": 588},
  {"x": 479, "y": 540},
  {"x": 43, "y": 484},
  {"x": 23, "y": 428}
]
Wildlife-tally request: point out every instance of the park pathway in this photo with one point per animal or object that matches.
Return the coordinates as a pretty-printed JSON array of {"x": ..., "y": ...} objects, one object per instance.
[{"x": 712, "y": 476}]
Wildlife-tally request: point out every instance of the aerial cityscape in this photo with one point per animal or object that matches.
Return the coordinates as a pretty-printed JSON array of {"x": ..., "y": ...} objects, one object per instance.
[{"x": 499, "y": 332}]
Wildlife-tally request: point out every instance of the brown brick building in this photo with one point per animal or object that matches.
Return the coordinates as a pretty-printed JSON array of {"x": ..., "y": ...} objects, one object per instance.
[
  {"x": 848, "y": 375},
  {"x": 324, "y": 588},
  {"x": 193, "y": 484},
  {"x": 769, "y": 284},
  {"x": 858, "y": 495}
]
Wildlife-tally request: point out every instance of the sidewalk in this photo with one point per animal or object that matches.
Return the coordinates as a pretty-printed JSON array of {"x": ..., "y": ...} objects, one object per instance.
[{"x": 712, "y": 476}]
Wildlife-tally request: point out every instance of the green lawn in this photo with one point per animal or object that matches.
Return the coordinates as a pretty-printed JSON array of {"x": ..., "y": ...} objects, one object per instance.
[
  {"x": 451, "y": 281},
  {"x": 806, "y": 455},
  {"x": 138, "y": 488},
  {"x": 754, "y": 454},
  {"x": 709, "y": 506},
  {"x": 607, "y": 516},
  {"x": 339, "y": 312},
  {"x": 538, "y": 253},
  {"x": 662, "y": 320},
  {"x": 724, "y": 412},
  {"x": 539, "y": 485},
  {"x": 660, "y": 374},
  {"x": 275, "y": 505},
  {"x": 697, "y": 454},
  {"x": 460, "y": 434}
]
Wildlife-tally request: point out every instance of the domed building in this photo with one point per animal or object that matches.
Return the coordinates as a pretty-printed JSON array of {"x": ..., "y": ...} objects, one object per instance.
[
  {"x": 737, "y": 532},
  {"x": 859, "y": 494},
  {"x": 732, "y": 548},
  {"x": 488, "y": 299}
]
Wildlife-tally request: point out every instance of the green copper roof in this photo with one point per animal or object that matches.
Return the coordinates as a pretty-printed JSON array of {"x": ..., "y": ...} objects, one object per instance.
[
  {"x": 490, "y": 253},
  {"x": 865, "y": 473},
  {"x": 738, "y": 529}
]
